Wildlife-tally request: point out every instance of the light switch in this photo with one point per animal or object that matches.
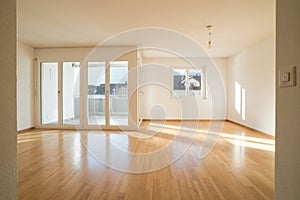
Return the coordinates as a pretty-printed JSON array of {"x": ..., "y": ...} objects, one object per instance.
[{"x": 287, "y": 77}]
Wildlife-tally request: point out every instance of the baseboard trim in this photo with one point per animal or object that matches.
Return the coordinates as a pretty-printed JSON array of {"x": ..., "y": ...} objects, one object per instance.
[
  {"x": 213, "y": 120},
  {"x": 146, "y": 120},
  {"x": 25, "y": 130},
  {"x": 253, "y": 129},
  {"x": 202, "y": 120}
]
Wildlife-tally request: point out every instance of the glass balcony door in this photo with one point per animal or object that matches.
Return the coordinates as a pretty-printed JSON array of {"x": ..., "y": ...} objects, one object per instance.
[
  {"x": 107, "y": 94},
  {"x": 118, "y": 93},
  {"x": 60, "y": 93},
  {"x": 96, "y": 93},
  {"x": 105, "y": 87},
  {"x": 71, "y": 93},
  {"x": 49, "y": 111}
]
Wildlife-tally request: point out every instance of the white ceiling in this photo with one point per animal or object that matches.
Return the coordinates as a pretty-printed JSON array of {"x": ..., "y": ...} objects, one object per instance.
[{"x": 237, "y": 24}]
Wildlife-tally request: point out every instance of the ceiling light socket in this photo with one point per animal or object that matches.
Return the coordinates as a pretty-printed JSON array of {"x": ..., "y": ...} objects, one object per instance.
[{"x": 209, "y": 35}]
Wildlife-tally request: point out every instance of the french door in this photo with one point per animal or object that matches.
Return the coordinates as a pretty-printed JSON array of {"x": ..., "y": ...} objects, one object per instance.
[
  {"x": 107, "y": 98},
  {"x": 101, "y": 101}
]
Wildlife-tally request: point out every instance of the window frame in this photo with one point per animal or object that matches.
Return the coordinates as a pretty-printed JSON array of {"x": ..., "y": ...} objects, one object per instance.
[{"x": 202, "y": 70}]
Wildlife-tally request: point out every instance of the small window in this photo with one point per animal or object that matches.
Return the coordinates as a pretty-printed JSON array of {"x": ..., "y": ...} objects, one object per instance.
[
  {"x": 188, "y": 82},
  {"x": 179, "y": 81},
  {"x": 194, "y": 82}
]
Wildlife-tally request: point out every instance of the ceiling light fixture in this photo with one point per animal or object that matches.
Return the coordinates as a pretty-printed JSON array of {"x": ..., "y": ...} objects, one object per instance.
[{"x": 209, "y": 35}]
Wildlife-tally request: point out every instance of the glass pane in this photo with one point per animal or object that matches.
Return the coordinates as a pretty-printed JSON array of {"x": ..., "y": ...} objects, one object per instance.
[
  {"x": 179, "y": 82},
  {"x": 96, "y": 93},
  {"x": 71, "y": 93},
  {"x": 118, "y": 93},
  {"x": 194, "y": 82},
  {"x": 49, "y": 91}
]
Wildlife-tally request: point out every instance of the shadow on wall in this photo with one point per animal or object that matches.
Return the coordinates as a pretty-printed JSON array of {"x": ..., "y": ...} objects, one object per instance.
[{"x": 240, "y": 100}]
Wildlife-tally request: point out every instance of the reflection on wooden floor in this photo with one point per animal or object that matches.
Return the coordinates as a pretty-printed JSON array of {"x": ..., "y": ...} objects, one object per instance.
[{"x": 64, "y": 164}]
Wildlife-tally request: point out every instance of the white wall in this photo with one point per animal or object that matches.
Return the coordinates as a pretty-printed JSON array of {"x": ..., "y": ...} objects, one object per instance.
[
  {"x": 251, "y": 86},
  {"x": 8, "y": 108},
  {"x": 25, "y": 92},
  {"x": 287, "y": 153},
  {"x": 157, "y": 101}
]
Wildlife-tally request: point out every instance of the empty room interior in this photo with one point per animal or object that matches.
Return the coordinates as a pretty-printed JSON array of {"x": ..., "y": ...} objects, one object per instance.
[{"x": 154, "y": 100}]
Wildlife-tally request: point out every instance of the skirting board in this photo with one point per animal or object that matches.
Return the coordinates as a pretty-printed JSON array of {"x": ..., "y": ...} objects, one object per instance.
[
  {"x": 141, "y": 121},
  {"x": 25, "y": 130},
  {"x": 206, "y": 120},
  {"x": 261, "y": 132}
]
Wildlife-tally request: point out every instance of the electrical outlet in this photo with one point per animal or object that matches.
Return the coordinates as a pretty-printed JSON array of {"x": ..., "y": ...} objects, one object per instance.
[{"x": 287, "y": 77}]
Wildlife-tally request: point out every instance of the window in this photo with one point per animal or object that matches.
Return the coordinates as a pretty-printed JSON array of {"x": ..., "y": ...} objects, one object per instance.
[
  {"x": 49, "y": 92},
  {"x": 71, "y": 92},
  {"x": 96, "y": 93},
  {"x": 108, "y": 93},
  {"x": 179, "y": 81},
  {"x": 188, "y": 82}
]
